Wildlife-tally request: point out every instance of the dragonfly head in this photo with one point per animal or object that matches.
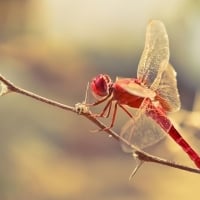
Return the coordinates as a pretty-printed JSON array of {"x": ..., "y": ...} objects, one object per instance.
[{"x": 101, "y": 85}]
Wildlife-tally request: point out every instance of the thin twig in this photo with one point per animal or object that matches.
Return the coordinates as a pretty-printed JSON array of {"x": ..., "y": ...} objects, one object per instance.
[{"x": 141, "y": 155}]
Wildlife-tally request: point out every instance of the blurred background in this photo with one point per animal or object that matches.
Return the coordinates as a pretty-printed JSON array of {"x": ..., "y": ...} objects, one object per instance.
[{"x": 53, "y": 48}]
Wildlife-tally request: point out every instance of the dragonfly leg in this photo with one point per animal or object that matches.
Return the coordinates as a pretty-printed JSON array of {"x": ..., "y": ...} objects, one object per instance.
[
  {"x": 99, "y": 101},
  {"x": 107, "y": 107},
  {"x": 113, "y": 118},
  {"x": 114, "y": 113},
  {"x": 126, "y": 111}
]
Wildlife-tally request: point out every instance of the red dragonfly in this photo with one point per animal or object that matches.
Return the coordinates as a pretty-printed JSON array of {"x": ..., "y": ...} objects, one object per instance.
[{"x": 153, "y": 93}]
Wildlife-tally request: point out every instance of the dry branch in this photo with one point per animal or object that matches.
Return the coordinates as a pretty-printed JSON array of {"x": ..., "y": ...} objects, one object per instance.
[{"x": 81, "y": 109}]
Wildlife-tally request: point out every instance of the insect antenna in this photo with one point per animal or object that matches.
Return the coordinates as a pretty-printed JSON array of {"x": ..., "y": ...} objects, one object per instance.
[{"x": 86, "y": 93}]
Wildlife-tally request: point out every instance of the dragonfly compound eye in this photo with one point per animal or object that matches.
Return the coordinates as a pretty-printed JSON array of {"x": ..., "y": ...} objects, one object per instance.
[{"x": 100, "y": 85}]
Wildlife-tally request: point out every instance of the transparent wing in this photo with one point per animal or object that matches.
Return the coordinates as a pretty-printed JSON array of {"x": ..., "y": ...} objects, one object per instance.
[
  {"x": 142, "y": 133},
  {"x": 167, "y": 90},
  {"x": 155, "y": 55}
]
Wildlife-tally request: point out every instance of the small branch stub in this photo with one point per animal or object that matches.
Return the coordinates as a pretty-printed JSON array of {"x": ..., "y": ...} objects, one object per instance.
[{"x": 4, "y": 89}]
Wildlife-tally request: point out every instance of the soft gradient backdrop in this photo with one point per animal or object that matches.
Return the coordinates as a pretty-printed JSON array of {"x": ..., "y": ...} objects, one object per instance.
[{"x": 53, "y": 48}]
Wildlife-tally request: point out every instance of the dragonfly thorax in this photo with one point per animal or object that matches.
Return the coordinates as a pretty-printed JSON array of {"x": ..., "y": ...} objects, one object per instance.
[
  {"x": 135, "y": 87},
  {"x": 101, "y": 85}
]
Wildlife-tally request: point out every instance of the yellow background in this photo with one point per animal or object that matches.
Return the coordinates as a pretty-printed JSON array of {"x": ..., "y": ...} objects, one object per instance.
[{"x": 53, "y": 48}]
